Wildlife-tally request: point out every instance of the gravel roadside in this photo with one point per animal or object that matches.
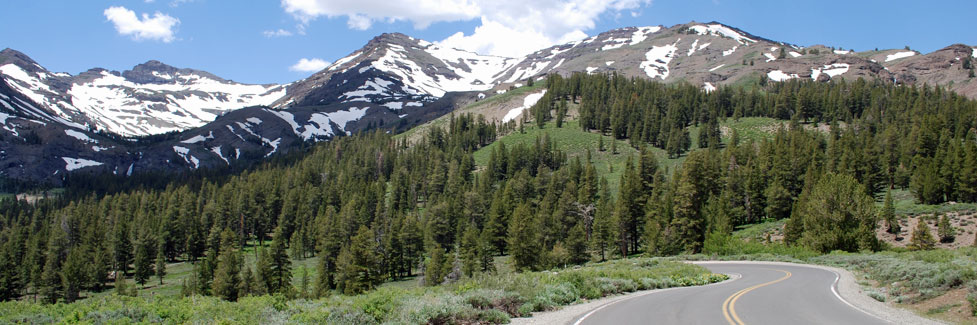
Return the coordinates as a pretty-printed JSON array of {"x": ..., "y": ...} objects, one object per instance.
[{"x": 848, "y": 289}]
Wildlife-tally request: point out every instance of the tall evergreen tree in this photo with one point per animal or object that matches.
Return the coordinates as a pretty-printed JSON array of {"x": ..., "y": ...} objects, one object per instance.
[
  {"x": 358, "y": 266},
  {"x": 227, "y": 280},
  {"x": 524, "y": 245},
  {"x": 888, "y": 213}
]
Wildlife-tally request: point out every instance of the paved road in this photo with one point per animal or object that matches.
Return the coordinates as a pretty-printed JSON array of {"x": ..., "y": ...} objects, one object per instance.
[{"x": 763, "y": 294}]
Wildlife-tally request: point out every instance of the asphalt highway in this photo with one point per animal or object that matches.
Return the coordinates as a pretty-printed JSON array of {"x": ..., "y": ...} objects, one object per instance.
[{"x": 758, "y": 294}]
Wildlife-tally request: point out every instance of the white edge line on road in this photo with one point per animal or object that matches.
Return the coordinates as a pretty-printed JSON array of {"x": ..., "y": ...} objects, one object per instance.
[
  {"x": 584, "y": 317},
  {"x": 834, "y": 285}
]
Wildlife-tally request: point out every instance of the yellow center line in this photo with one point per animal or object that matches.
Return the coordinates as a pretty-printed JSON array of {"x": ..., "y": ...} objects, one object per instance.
[{"x": 729, "y": 306}]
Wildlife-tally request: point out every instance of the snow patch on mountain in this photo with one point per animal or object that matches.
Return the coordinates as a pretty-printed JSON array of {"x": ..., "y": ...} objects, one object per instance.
[
  {"x": 900, "y": 55},
  {"x": 80, "y": 136},
  {"x": 341, "y": 118},
  {"x": 777, "y": 75},
  {"x": 656, "y": 65},
  {"x": 708, "y": 87},
  {"x": 78, "y": 163},
  {"x": 187, "y": 157},
  {"x": 527, "y": 102},
  {"x": 287, "y": 117},
  {"x": 642, "y": 34},
  {"x": 692, "y": 48},
  {"x": 831, "y": 70},
  {"x": 341, "y": 62},
  {"x": 217, "y": 150},
  {"x": 198, "y": 138},
  {"x": 730, "y": 51},
  {"x": 720, "y": 30}
]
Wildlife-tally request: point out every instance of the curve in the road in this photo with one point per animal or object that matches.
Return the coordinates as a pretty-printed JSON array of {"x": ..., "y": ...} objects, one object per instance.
[
  {"x": 729, "y": 306},
  {"x": 764, "y": 294}
]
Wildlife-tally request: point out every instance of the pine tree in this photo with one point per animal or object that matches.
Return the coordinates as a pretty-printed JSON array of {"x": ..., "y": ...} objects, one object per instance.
[
  {"x": 358, "y": 265},
  {"x": 248, "y": 282},
  {"x": 779, "y": 201},
  {"x": 888, "y": 214},
  {"x": 160, "y": 265},
  {"x": 576, "y": 244},
  {"x": 921, "y": 239},
  {"x": 303, "y": 282},
  {"x": 99, "y": 268},
  {"x": 434, "y": 271},
  {"x": 524, "y": 245},
  {"x": 227, "y": 279},
  {"x": 945, "y": 230},
  {"x": 73, "y": 274},
  {"x": 143, "y": 260},
  {"x": 121, "y": 247},
  {"x": 276, "y": 269},
  {"x": 10, "y": 281},
  {"x": 468, "y": 251},
  {"x": 838, "y": 215},
  {"x": 486, "y": 260}
]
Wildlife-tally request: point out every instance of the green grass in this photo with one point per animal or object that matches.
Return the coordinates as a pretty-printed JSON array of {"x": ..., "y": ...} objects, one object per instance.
[
  {"x": 905, "y": 204},
  {"x": 751, "y": 128},
  {"x": 176, "y": 273},
  {"x": 573, "y": 141},
  {"x": 485, "y": 298},
  {"x": 760, "y": 230}
]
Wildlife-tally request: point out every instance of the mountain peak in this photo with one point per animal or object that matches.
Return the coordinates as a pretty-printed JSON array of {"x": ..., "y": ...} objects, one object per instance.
[
  {"x": 156, "y": 72},
  {"x": 154, "y": 65},
  {"x": 9, "y": 55}
]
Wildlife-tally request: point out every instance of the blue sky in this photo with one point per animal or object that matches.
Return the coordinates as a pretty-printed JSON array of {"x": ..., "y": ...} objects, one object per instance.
[{"x": 258, "y": 41}]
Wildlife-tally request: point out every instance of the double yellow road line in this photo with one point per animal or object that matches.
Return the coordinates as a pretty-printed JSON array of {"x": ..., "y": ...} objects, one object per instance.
[{"x": 729, "y": 306}]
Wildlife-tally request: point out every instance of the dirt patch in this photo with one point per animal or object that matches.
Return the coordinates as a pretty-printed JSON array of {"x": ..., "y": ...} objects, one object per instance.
[
  {"x": 951, "y": 306},
  {"x": 965, "y": 224}
]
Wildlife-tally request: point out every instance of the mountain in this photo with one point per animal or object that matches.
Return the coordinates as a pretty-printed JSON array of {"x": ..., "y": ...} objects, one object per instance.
[
  {"x": 156, "y": 116},
  {"x": 397, "y": 71},
  {"x": 713, "y": 54},
  {"x": 152, "y": 98}
]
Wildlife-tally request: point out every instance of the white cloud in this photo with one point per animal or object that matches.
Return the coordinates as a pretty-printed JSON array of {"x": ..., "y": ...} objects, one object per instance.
[
  {"x": 177, "y": 3},
  {"x": 158, "y": 27},
  {"x": 535, "y": 24},
  {"x": 362, "y": 13},
  {"x": 277, "y": 33},
  {"x": 309, "y": 65}
]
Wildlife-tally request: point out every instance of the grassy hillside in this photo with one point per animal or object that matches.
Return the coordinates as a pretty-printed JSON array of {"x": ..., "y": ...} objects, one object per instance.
[{"x": 575, "y": 142}]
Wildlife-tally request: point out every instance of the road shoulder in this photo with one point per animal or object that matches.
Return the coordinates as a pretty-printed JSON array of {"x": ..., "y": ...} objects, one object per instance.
[{"x": 853, "y": 295}]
